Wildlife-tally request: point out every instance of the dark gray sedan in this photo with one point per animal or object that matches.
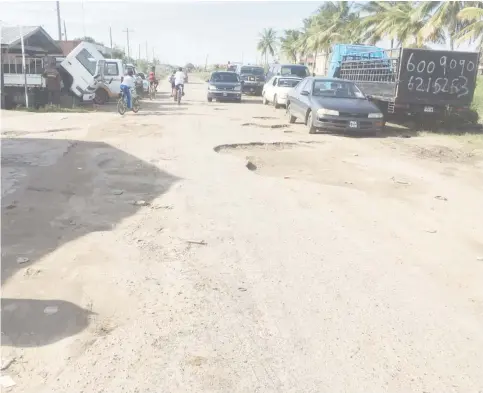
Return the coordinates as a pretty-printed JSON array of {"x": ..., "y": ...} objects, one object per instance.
[
  {"x": 224, "y": 86},
  {"x": 333, "y": 105}
]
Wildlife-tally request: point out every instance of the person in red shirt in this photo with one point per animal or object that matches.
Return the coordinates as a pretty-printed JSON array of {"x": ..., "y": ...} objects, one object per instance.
[{"x": 152, "y": 79}]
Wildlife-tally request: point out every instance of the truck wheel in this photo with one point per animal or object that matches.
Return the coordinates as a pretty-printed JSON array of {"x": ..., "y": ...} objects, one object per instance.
[
  {"x": 210, "y": 99},
  {"x": 264, "y": 100},
  {"x": 101, "y": 97},
  {"x": 310, "y": 123}
]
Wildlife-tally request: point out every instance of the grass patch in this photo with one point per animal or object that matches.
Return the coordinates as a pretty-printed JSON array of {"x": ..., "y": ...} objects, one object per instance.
[{"x": 477, "y": 104}]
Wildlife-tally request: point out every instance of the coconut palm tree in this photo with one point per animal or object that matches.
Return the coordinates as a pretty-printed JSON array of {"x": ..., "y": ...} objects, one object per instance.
[
  {"x": 377, "y": 13},
  {"x": 473, "y": 31},
  {"x": 335, "y": 21},
  {"x": 441, "y": 18},
  {"x": 290, "y": 44},
  {"x": 267, "y": 43}
]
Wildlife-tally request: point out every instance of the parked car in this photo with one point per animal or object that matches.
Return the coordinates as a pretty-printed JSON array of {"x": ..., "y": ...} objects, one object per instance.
[
  {"x": 276, "y": 89},
  {"x": 144, "y": 81},
  {"x": 298, "y": 70},
  {"x": 252, "y": 78},
  {"x": 224, "y": 85},
  {"x": 333, "y": 105}
]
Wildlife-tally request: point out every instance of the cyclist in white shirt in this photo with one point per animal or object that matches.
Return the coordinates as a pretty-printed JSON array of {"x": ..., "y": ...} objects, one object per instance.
[
  {"x": 126, "y": 85},
  {"x": 179, "y": 78}
]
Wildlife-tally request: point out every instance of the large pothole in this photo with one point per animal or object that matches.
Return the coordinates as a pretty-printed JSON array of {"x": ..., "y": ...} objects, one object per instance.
[{"x": 328, "y": 164}]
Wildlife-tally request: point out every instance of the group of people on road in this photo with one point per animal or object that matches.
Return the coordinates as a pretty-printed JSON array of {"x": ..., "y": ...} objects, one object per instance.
[{"x": 177, "y": 80}]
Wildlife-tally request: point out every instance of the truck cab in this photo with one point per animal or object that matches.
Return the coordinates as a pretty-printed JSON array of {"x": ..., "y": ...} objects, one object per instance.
[{"x": 82, "y": 64}]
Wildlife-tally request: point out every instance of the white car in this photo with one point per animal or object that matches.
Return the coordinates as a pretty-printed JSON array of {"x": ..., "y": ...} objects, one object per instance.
[{"x": 276, "y": 89}]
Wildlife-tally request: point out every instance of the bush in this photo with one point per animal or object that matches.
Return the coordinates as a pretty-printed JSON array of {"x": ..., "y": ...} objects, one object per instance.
[{"x": 477, "y": 104}]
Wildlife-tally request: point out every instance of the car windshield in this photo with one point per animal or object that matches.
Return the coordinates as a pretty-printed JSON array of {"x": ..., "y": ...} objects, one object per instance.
[
  {"x": 285, "y": 82},
  {"x": 252, "y": 70},
  {"x": 300, "y": 71},
  {"x": 339, "y": 89},
  {"x": 224, "y": 77}
]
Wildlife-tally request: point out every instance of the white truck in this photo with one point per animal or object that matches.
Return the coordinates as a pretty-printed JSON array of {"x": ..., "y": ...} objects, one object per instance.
[{"x": 91, "y": 76}]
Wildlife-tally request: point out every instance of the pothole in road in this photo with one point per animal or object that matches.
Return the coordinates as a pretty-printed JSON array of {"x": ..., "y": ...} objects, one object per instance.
[
  {"x": 327, "y": 164},
  {"x": 265, "y": 125}
]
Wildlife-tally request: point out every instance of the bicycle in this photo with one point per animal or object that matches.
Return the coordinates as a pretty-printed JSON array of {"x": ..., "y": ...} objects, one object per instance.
[
  {"x": 179, "y": 93},
  {"x": 122, "y": 103},
  {"x": 152, "y": 91}
]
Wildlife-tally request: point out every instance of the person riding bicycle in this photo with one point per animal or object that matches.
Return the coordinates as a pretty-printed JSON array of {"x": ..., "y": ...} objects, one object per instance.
[
  {"x": 126, "y": 85},
  {"x": 179, "y": 79},
  {"x": 153, "y": 82}
]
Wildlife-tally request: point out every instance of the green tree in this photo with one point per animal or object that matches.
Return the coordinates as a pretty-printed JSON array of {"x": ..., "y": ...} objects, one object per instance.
[
  {"x": 267, "y": 43},
  {"x": 473, "y": 31},
  {"x": 290, "y": 44},
  {"x": 441, "y": 19},
  {"x": 88, "y": 39},
  {"x": 369, "y": 26},
  {"x": 334, "y": 22}
]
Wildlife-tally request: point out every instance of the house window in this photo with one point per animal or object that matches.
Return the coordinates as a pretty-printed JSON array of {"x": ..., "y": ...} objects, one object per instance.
[{"x": 86, "y": 59}]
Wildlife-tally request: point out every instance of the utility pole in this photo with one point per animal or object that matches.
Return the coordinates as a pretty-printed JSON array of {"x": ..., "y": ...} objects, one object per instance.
[
  {"x": 153, "y": 55},
  {"x": 147, "y": 56},
  {"x": 59, "y": 26},
  {"x": 65, "y": 32},
  {"x": 127, "y": 37},
  {"x": 110, "y": 36},
  {"x": 206, "y": 62},
  {"x": 139, "y": 52}
]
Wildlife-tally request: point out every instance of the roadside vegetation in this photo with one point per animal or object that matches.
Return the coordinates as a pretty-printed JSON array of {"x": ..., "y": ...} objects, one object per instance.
[{"x": 416, "y": 24}]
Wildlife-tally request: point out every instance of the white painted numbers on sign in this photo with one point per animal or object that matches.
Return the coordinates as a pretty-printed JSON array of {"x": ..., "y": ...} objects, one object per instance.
[{"x": 426, "y": 82}]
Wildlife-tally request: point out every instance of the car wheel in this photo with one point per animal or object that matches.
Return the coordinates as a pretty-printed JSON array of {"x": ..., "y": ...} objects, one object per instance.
[
  {"x": 210, "y": 99},
  {"x": 290, "y": 117},
  {"x": 264, "y": 99},
  {"x": 275, "y": 102},
  {"x": 310, "y": 123}
]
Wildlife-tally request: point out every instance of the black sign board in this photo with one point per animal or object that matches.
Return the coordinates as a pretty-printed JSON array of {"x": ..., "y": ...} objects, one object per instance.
[{"x": 437, "y": 77}]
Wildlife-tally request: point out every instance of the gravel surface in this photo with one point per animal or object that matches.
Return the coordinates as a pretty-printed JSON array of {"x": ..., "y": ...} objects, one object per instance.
[{"x": 208, "y": 248}]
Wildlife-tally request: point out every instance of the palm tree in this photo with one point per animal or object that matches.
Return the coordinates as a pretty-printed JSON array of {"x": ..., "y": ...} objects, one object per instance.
[
  {"x": 473, "y": 31},
  {"x": 441, "y": 18},
  {"x": 370, "y": 25},
  {"x": 290, "y": 44},
  {"x": 334, "y": 22},
  {"x": 267, "y": 43}
]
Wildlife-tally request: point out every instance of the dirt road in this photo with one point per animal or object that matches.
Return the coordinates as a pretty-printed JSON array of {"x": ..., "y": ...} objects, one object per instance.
[{"x": 141, "y": 255}]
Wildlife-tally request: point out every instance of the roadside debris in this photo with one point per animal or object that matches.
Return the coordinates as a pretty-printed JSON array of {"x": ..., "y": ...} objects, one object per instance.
[
  {"x": 201, "y": 243},
  {"x": 6, "y": 381},
  {"x": 51, "y": 310},
  {"x": 251, "y": 166},
  {"x": 117, "y": 192},
  {"x": 21, "y": 260},
  {"x": 441, "y": 198},
  {"x": 6, "y": 363},
  {"x": 242, "y": 289},
  {"x": 140, "y": 203},
  {"x": 31, "y": 272},
  {"x": 406, "y": 183}
]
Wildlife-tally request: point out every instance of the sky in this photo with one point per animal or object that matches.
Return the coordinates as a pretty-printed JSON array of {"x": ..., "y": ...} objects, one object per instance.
[{"x": 179, "y": 32}]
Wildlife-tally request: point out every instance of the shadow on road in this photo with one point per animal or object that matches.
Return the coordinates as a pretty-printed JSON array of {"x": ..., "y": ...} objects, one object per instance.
[
  {"x": 34, "y": 323},
  {"x": 55, "y": 191}
]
